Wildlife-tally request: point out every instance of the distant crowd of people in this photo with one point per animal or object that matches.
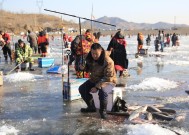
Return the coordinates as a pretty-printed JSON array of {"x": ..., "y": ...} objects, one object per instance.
[
  {"x": 161, "y": 41},
  {"x": 38, "y": 43},
  {"x": 23, "y": 52}
]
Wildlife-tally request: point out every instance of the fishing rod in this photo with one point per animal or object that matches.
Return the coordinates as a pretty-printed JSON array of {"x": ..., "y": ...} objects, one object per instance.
[
  {"x": 79, "y": 17},
  {"x": 13, "y": 69},
  {"x": 82, "y": 58},
  {"x": 80, "y": 27},
  {"x": 62, "y": 41}
]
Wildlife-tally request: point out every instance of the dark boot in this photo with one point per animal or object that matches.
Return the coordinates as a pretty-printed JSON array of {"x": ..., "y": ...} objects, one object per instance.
[
  {"x": 102, "y": 110},
  {"x": 31, "y": 67},
  {"x": 90, "y": 107},
  {"x": 5, "y": 58}
]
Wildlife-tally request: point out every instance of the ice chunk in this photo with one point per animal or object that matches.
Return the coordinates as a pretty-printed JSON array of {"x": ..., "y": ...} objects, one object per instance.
[
  {"x": 148, "y": 129},
  {"x": 21, "y": 76},
  {"x": 154, "y": 83},
  {"x": 5, "y": 129}
]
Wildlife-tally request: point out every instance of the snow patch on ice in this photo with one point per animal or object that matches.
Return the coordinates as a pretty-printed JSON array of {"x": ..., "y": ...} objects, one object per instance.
[
  {"x": 154, "y": 83},
  {"x": 148, "y": 129},
  {"x": 177, "y": 62},
  {"x": 6, "y": 130},
  {"x": 178, "y": 99},
  {"x": 21, "y": 76},
  {"x": 159, "y": 53}
]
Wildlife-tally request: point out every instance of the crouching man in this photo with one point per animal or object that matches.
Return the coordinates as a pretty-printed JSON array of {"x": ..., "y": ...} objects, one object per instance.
[
  {"x": 23, "y": 55},
  {"x": 102, "y": 73}
]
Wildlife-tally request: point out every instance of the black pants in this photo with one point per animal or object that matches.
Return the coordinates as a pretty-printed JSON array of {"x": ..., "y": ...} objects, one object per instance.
[
  {"x": 156, "y": 47},
  {"x": 85, "y": 89},
  {"x": 7, "y": 49},
  {"x": 39, "y": 50},
  {"x": 71, "y": 59}
]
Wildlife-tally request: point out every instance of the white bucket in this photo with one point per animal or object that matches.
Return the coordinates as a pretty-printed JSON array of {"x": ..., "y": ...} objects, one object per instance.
[
  {"x": 112, "y": 91},
  {"x": 24, "y": 66}
]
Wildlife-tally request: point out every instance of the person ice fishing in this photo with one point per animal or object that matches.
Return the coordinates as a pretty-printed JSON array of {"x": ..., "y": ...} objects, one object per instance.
[
  {"x": 2, "y": 41},
  {"x": 81, "y": 51},
  {"x": 156, "y": 44},
  {"x": 32, "y": 39},
  {"x": 43, "y": 43},
  {"x": 97, "y": 36},
  {"x": 161, "y": 39},
  {"x": 167, "y": 43},
  {"x": 177, "y": 40},
  {"x": 173, "y": 39},
  {"x": 140, "y": 38},
  {"x": 102, "y": 73},
  {"x": 23, "y": 54},
  {"x": 65, "y": 40},
  {"x": 6, "y": 47},
  {"x": 117, "y": 47},
  {"x": 148, "y": 39}
]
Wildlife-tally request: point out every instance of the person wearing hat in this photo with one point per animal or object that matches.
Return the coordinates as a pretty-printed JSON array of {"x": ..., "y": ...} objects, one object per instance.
[
  {"x": 43, "y": 43},
  {"x": 6, "y": 47},
  {"x": 65, "y": 40},
  {"x": 16, "y": 45},
  {"x": 32, "y": 39},
  {"x": 82, "y": 48},
  {"x": 2, "y": 41},
  {"x": 118, "y": 53},
  {"x": 140, "y": 39},
  {"x": 23, "y": 54},
  {"x": 102, "y": 75}
]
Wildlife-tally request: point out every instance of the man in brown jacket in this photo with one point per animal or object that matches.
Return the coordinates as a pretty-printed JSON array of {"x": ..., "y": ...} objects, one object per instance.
[{"x": 102, "y": 73}]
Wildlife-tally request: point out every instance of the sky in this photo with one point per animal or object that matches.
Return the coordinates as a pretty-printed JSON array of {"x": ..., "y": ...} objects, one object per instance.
[{"x": 139, "y": 11}]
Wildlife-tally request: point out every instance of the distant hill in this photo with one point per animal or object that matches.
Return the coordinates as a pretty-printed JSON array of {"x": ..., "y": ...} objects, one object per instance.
[
  {"x": 20, "y": 22},
  {"x": 123, "y": 24}
]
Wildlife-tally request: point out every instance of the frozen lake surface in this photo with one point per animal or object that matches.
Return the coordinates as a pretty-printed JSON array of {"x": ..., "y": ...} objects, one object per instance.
[{"x": 32, "y": 103}]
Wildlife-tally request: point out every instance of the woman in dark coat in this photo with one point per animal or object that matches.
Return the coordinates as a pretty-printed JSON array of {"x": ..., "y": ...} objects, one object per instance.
[{"x": 118, "y": 52}]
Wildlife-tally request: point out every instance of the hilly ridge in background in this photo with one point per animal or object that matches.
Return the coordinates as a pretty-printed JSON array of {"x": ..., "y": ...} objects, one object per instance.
[
  {"x": 120, "y": 23},
  {"x": 20, "y": 22}
]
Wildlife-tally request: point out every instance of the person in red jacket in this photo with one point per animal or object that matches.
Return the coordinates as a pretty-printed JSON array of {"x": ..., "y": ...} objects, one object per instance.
[
  {"x": 81, "y": 47},
  {"x": 6, "y": 47},
  {"x": 2, "y": 41},
  {"x": 70, "y": 39},
  {"x": 65, "y": 40},
  {"x": 43, "y": 43}
]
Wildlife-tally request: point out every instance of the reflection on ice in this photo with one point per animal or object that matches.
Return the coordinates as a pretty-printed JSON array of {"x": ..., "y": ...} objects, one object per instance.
[
  {"x": 154, "y": 83},
  {"x": 21, "y": 76}
]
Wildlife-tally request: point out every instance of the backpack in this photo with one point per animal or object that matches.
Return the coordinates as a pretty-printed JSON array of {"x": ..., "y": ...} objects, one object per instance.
[{"x": 119, "y": 105}]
